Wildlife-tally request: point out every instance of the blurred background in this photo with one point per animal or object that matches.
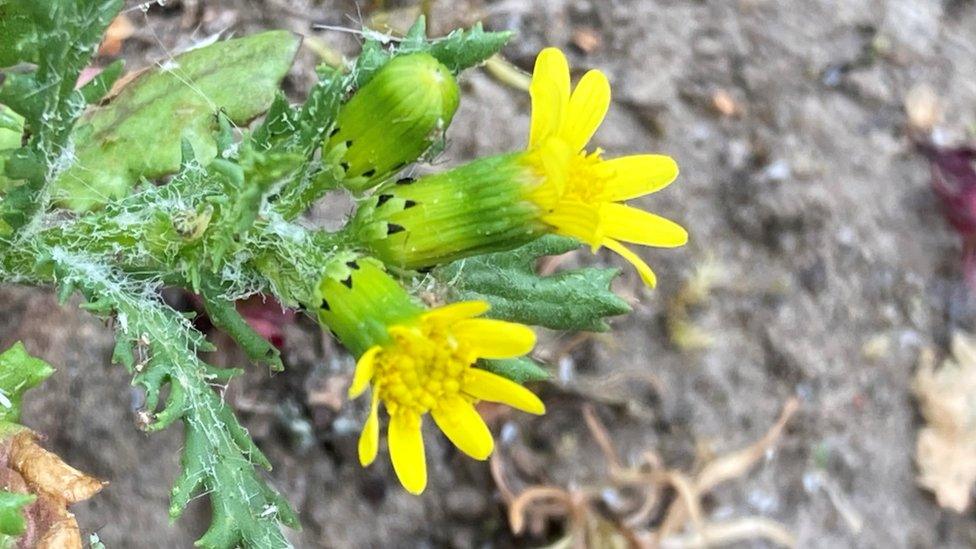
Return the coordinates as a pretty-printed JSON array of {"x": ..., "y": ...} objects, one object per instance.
[{"x": 765, "y": 391}]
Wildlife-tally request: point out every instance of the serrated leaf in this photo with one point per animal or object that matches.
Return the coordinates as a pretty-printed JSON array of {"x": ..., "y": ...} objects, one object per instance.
[
  {"x": 138, "y": 133},
  {"x": 19, "y": 371},
  {"x": 463, "y": 49},
  {"x": 12, "y": 521},
  {"x": 459, "y": 50},
  {"x": 219, "y": 456},
  {"x": 568, "y": 300}
]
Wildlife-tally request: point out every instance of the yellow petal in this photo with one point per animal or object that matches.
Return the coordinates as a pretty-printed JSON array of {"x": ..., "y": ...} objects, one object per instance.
[
  {"x": 407, "y": 451},
  {"x": 495, "y": 338},
  {"x": 645, "y": 272},
  {"x": 587, "y": 108},
  {"x": 369, "y": 439},
  {"x": 464, "y": 427},
  {"x": 640, "y": 174},
  {"x": 576, "y": 219},
  {"x": 485, "y": 385},
  {"x": 554, "y": 157},
  {"x": 549, "y": 91},
  {"x": 364, "y": 371},
  {"x": 459, "y": 310},
  {"x": 627, "y": 224}
]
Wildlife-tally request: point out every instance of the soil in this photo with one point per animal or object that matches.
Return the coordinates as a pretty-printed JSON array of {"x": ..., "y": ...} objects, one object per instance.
[{"x": 800, "y": 189}]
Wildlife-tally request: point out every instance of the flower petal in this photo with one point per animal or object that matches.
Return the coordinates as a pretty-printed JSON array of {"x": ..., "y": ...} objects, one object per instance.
[
  {"x": 645, "y": 272},
  {"x": 464, "y": 427},
  {"x": 365, "y": 367},
  {"x": 459, "y": 310},
  {"x": 587, "y": 107},
  {"x": 639, "y": 175},
  {"x": 549, "y": 91},
  {"x": 495, "y": 338},
  {"x": 627, "y": 224},
  {"x": 485, "y": 385},
  {"x": 553, "y": 157},
  {"x": 576, "y": 219},
  {"x": 369, "y": 439},
  {"x": 407, "y": 451}
]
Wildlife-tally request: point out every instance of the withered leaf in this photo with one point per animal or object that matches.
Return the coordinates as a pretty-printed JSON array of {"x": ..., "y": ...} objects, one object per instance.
[
  {"x": 946, "y": 447},
  {"x": 27, "y": 468}
]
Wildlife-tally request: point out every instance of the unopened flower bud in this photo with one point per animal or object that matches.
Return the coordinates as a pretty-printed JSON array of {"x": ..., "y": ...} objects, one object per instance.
[{"x": 393, "y": 119}]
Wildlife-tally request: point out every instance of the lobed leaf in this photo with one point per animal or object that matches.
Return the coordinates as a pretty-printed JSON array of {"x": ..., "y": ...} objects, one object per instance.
[
  {"x": 461, "y": 49},
  {"x": 571, "y": 300},
  {"x": 219, "y": 457}
]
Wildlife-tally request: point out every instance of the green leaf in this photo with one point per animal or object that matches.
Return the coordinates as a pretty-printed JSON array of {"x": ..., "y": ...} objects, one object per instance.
[
  {"x": 12, "y": 522},
  {"x": 219, "y": 456},
  {"x": 463, "y": 49},
  {"x": 459, "y": 50},
  {"x": 58, "y": 37},
  {"x": 11, "y": 132},
  {"x": 223, "y": 313},
  {"x": 569, "y": 300},
  {"x": 98, "y": 87},
  {"x": 519, "y": 370},
  {"x": 19, "y": 371},
  {"x": 138, "y": 133}
]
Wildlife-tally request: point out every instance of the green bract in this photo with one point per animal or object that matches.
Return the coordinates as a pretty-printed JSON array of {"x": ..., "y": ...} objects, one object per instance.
[
  {"x": 470, "y": 210},
  {"x": 360, "y": 305}
]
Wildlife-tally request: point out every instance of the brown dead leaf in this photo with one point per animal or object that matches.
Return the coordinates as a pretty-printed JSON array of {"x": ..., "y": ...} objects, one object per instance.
[
  {"x": 725, "y": 104},
  {"x": 115, "y": 35},
  {"x": 27, "y": 468},
  {"x": 587, "y": 39},
  {"x": 946, "y": 447},
  {"x": 331, "y": 393}
]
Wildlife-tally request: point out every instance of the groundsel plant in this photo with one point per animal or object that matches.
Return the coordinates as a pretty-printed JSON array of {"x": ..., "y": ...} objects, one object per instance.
[{"x": 195, "y": 174}]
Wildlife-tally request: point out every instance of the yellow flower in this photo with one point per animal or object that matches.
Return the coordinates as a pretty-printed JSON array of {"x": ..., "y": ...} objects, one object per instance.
[
  {"x": 580, "y": 193},
  {"x": 427, "y": 365}
]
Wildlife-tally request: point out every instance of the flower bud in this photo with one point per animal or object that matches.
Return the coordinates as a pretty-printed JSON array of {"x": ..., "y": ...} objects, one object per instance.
[
  {"x": 476, "y": 208},
  {"x": 393, "y": 119}
]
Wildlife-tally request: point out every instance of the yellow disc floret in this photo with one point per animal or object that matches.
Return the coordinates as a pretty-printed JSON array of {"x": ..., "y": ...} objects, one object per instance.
[{"x": 428, "y": 366}]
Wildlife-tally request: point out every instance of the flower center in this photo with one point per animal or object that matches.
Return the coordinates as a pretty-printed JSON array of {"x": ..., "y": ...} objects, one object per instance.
[
  {"x": 586, "y": 178},
  {"x": 421, "y": 367},
  {"x": 578, "y": 177}
]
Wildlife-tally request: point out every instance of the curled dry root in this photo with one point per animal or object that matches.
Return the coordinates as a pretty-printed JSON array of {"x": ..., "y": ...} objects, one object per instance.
[{"x": 680, "y": 524}]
